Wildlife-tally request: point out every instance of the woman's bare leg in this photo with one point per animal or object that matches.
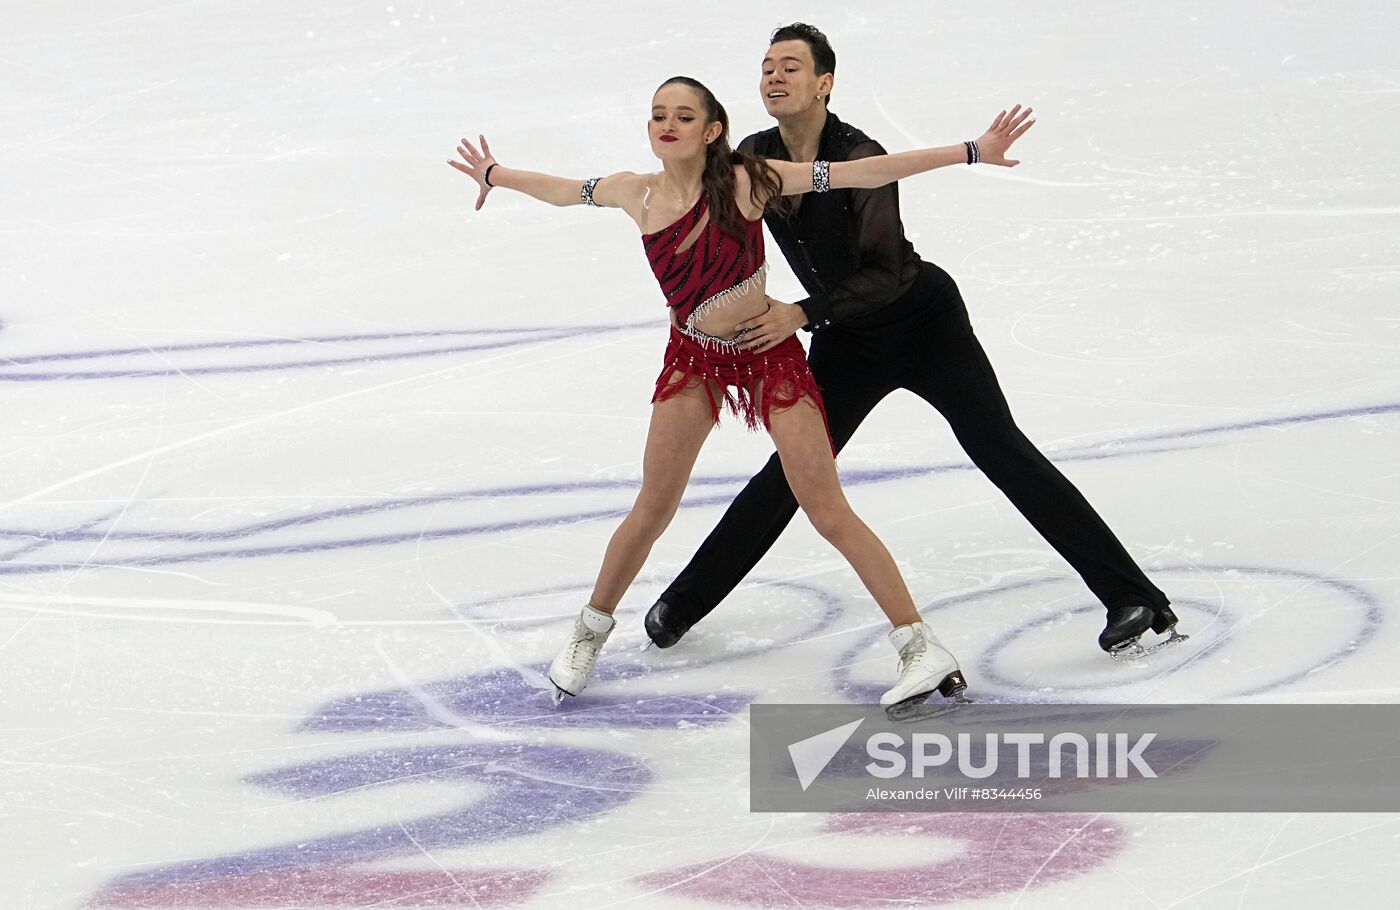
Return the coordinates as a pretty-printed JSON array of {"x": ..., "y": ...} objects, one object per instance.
[
  {"x": 800, "y": 437},
  {"x": 679, "y": 426},
  {"x": 925, "y": 666}
]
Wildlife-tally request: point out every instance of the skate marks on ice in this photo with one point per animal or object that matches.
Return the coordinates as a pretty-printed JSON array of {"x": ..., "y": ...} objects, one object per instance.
[
  {"x": 624, "y": 692},
  {"x": 1002, "y": 854},
  {"x": 506, "y": 509},
  {"x": 563, "y": 786},
  {"x": 538, "y": 788},
  {"x": 537, "y": 785},
  {"x": 530, "y": 788}
]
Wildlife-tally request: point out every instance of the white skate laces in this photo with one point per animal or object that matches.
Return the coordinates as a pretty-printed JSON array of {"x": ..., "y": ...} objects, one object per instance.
[
  {"x": 574, "y": 663},
  {"x": 925, "y": 667}
]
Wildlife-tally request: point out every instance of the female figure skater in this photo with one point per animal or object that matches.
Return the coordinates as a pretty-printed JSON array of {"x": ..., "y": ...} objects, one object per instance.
[{"x": 701, "y": 228}]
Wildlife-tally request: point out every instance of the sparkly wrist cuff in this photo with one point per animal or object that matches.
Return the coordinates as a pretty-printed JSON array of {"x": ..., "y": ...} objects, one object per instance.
[
  {"x": 586, "y": 194},
  {"x": 821, "y": 176},
  {"x": 973, "y": 155}
]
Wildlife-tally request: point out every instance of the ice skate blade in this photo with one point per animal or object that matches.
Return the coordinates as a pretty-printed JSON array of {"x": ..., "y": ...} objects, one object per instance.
[
  {"x": 1131, "y": 649},
  {"x": 1135, "y": 650},
  {"x": 916, "y": 709},
  {"x": 558, "y": 696}
]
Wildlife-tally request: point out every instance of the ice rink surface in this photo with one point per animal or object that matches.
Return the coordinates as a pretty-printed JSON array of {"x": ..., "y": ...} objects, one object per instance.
[{"x": 307, "y": 467}]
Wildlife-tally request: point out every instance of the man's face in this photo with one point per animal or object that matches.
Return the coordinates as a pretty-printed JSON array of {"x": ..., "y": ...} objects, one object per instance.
[{"x": 790, "y": 84}]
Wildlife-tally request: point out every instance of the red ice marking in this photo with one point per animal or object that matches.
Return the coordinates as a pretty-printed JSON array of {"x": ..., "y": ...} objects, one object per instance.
[
  {"x": 336, "y": 886},
  {"x": 1003, "y": 853}
]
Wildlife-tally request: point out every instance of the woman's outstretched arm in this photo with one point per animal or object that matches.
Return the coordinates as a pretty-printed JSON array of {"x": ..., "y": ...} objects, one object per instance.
[
  {"x": 878, "y": 170},
  {"x": 614, "y": 191}
]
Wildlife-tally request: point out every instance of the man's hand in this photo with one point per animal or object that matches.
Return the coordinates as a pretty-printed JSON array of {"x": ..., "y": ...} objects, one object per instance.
[
  {"x": 1005, "y": 129},
  {"x": 780, "y": 323}
]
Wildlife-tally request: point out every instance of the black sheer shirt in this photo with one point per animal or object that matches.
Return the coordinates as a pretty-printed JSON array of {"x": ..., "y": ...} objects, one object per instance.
[{"x": 846, "y": 246}]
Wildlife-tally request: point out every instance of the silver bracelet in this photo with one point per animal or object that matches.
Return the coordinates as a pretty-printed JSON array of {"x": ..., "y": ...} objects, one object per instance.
[
  {"x": 821, "y": 176},
  {"x": 973, "y": 154},
  {"x": 586, "y": 194}
]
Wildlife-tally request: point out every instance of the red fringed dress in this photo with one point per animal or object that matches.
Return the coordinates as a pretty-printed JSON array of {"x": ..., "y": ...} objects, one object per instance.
[{"x": 714, "y": 268}]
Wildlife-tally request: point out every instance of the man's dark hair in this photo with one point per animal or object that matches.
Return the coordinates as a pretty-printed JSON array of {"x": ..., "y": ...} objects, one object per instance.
[{"x": 823, "y": 57}]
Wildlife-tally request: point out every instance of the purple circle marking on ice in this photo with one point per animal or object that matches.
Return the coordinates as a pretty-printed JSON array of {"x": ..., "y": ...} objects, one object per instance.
[{"x": 1180, "y": 656}]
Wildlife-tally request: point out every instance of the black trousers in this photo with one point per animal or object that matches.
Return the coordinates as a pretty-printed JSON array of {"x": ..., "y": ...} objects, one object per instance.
[{"x": 924, "y": 343}]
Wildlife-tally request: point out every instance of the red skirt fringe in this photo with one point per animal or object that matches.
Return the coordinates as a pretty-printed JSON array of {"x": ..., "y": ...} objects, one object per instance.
[{"x": 781, "y": 377}]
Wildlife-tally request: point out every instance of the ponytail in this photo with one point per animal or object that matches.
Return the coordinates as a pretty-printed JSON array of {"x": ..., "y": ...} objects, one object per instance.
[{"x": 718, "y": 181}]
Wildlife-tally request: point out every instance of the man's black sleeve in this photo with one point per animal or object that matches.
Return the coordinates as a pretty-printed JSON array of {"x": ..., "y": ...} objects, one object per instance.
[{"x": 879, "y": 236}]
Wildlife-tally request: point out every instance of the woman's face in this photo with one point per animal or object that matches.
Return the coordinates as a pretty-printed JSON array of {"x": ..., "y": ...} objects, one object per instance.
[{"x": 677, "y": 127}]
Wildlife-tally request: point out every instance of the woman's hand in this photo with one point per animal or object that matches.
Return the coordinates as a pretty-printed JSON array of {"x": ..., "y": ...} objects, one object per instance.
[
  {"x": 1006, "y": 129},
  {"x": 475, "y": 164}
]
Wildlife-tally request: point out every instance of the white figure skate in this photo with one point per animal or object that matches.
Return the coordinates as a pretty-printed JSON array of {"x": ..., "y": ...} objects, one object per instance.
[
  {"x": 574, "y": 663},
  {"x": 925, "y": 667}
]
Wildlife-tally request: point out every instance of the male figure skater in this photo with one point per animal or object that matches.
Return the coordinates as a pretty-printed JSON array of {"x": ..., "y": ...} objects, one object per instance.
[{"x": 883, "y": 319}]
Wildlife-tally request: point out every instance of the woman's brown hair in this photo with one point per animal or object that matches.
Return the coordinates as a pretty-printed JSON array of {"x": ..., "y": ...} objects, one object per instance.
[{"x": 717, "y": 182}]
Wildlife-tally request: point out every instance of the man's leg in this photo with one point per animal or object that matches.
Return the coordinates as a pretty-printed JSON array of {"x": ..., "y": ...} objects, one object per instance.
[
  {"x": 851, "y": 386},
  {"x": 946, "y": 366}
]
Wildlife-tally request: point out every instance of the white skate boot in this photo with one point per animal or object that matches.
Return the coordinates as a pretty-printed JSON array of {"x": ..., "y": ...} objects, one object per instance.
[
  {"x": 925, "y": 667},
  {"x": 574, "y": 663}
]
